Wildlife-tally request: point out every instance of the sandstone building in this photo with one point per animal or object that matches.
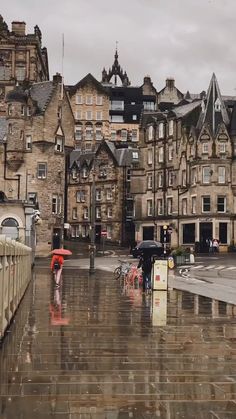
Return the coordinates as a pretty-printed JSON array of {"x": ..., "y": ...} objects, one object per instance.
[
  {"x": 40, "y": 134},
  {"x": 186, "y": 179},
  {"x": 22, "y": 58}
]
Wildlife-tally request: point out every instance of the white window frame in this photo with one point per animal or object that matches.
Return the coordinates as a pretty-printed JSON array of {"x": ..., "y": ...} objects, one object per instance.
[
  {"x": 222, "y": 148},
  {"x": 89, "y": 115},
  {"x": 56, "y": 204},
  {"x": 98, "y": 212},
  {"x": 123, "y": 135},
  {"x": 149, "y": 207},
  {"x": 78, "y": 115},
  {"x": 98, "y": 134},
  {"x": 78, "y": 133},
  {"x": 160, "y": 180},
  {"x": 98, "y": 115},
  {"x": 160, "y": 208},
  {"x": 59, "y": 144},
  {"x": 224, "y": 203},
  {"x": 79, "y": 99},
  {"x": 205, "y": 148},
  {"x": 184, "y": 206},
  {"x": 150, "y": 156},
  {"x": 170, "y": 152},
  {"x": 109, "y": 194},
  {"x": 99, "y": 100},
  {"x": 222, "y": 175},
  {"x": 205, "y": 203},
  {"x": 98, "y": 194},
  {"x": 80, "y": 196},
  {"x": 85, "y": 213},
  {"x": 84, "y": 172},
  {"x": 74, "y": 213},
  {"x": 88, "y": 133},
  {"x": 193, "y": 204},
  {"x": 206, "y": 177},
  {"x": 109, "y": 211},
  {"x": 171, "y": 127},
  {"x": 150, "y": 133},
  {"x": 42, "y": 169},
  {"x": 89, "y": 99},
  {"x": 194, "y": 175},
  {"x": 161, "y": 130},
  {"x": 28, "y": 142},
  {"x": 149, "y": 180},
  {"x": 169, "y": 205},
  {"x": 161, "y": 154}
]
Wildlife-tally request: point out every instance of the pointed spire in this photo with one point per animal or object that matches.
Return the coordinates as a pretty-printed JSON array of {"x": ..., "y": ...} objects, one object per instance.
[{"x": 214, "y": 112}]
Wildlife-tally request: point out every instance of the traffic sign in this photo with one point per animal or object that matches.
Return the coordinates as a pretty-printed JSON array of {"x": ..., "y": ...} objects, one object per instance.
[{"x": 103, "y": 233}]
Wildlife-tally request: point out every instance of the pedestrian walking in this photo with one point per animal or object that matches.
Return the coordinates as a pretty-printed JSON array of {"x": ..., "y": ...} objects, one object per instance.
[
  {"x": 146, "y": 262},
  {"x": 210, "y": 245},
  {"x": 215, "y": 245},
  {"x": 56, "y": 267}
]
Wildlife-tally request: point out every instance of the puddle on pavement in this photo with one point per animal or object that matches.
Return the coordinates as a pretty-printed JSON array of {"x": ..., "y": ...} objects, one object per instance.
[{"x": 94, "y": 349}]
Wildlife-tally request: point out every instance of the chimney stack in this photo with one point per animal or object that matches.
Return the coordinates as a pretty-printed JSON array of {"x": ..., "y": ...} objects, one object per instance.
[{"x": 18, "y": 28}]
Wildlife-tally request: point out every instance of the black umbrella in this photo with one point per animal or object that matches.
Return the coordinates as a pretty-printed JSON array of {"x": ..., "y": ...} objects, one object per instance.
[{"x": 148, "y": 247}]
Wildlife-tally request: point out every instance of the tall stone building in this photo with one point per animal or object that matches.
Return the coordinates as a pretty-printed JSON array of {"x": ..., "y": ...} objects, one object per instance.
[
  {"x": 186, "y": 179},
  {"x": 110, "y": 166},
  {"x": 90, "y": 104},
  {"x": 22, "y": 58},
  {"x": 40, "y": 134}
]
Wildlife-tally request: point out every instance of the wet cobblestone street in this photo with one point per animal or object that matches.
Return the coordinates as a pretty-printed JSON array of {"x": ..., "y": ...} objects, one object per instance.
[{"x": 93, "y": 350}]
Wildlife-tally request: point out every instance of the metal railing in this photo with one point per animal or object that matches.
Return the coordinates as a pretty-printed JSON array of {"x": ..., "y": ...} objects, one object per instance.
[{"x": 15, "y": 275}]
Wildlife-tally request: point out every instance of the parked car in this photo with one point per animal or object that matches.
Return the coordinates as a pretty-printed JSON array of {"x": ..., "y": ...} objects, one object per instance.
[{"x": 148, "y": 246}]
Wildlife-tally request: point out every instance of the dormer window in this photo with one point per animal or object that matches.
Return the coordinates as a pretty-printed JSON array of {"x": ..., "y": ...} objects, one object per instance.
[
  {"x": 205, "y": 148},
  {"x": 84, "y": 172},
  {"x": 217, "y": 105},
  {"x": 59, "y": 144},
  {"x": 222, "y": 148},
  {"x": 102, "y": 171},
  {"x": 28, "y": 110}
]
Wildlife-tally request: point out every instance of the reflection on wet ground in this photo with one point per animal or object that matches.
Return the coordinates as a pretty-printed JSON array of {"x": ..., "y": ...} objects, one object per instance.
[{"x": 92, "y": 350}]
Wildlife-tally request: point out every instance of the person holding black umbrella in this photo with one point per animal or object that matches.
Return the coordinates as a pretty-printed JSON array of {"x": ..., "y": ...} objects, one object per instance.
[{"x": 146, "y": 262}]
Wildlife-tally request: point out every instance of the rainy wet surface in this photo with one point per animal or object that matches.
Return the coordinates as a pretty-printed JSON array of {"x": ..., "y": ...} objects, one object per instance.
[{"x": 93, "y": 350}]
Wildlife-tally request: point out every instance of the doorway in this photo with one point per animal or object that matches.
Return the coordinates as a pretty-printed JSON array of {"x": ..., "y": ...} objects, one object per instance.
[
  {"x": 148, "y": 233},
  {"x": 205, "y": 233},
  {"x": 56, "y": 238}
]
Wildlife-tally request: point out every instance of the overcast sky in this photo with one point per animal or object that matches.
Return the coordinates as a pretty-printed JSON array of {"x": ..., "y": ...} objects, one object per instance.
[{"x": 184, "y": 39}]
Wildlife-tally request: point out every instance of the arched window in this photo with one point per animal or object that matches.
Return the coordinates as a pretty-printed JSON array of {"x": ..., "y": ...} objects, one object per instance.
[{"x": 10, "y": 228}]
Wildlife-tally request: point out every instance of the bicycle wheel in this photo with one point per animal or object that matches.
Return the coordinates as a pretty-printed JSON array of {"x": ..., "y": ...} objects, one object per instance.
[{"x": 117, "y": 272}]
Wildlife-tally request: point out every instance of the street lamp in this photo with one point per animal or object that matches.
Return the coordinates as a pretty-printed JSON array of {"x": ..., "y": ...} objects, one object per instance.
[{"x": 92, "y": 225}]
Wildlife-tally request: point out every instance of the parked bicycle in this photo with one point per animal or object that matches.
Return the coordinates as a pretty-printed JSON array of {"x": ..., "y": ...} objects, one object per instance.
[
  {"x": 134, "y": 277},
  {"x": 122, "y": 269}
]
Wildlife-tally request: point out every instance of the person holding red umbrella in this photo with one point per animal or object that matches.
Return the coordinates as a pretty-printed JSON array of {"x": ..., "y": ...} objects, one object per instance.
[
  {"x": 56, "y": 267},
  {"x": 57, "y": 263}
]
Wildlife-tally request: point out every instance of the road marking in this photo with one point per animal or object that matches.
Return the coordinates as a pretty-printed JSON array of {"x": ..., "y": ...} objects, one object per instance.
[
  {"x": 230, "y": 268},
  {"x": 198, "y": 267},
  {"x": 217, "y": 268},
  {"x": 209, "y": 267}
]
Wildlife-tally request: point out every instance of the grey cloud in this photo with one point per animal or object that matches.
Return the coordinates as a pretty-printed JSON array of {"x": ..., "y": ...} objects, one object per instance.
[{"x": 187, "y": 39}]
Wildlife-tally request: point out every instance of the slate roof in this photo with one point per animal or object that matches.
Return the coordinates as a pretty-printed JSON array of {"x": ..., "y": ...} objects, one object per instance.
[
  {"x": 233, "y": 121},
  {"x": 209, "y": 114},
  {"x": 42, "y": 94},
  {"x": 181, "y": 111},
  {"x": 3, "y": 128}
]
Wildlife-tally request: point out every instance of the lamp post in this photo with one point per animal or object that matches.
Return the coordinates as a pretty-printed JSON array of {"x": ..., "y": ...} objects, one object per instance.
[{"x": 92, "y": 225}]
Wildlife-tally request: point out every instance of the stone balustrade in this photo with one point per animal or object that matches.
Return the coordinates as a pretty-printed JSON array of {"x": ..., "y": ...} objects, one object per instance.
[{"x": 15, "y": 275}]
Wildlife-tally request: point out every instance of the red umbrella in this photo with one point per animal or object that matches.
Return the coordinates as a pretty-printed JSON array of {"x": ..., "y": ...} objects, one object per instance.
[{"x": 63, "y": 252}]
